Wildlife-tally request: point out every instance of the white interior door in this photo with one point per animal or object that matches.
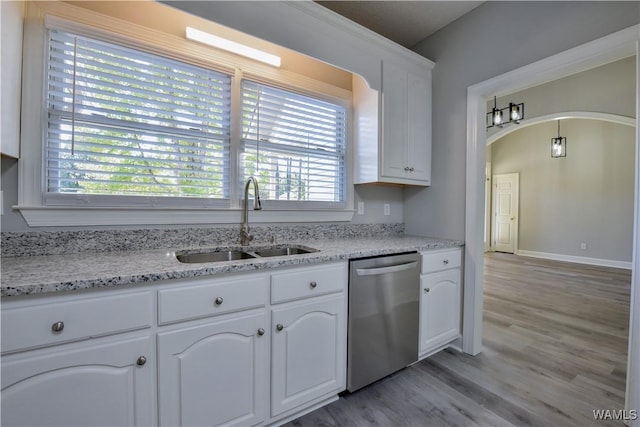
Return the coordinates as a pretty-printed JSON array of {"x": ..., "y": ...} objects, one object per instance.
[{"x": 504, "y": 227}]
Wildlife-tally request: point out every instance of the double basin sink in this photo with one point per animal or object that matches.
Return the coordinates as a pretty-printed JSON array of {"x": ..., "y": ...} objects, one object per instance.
[{"x": 226, "y": 254}]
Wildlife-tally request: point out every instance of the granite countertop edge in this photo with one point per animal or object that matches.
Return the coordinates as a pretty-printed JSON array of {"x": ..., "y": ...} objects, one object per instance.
[{"x": 31, "y": 275}]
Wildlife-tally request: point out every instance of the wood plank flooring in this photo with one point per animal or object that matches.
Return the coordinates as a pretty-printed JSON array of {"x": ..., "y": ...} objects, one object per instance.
[{"x": 555, "y": 347}]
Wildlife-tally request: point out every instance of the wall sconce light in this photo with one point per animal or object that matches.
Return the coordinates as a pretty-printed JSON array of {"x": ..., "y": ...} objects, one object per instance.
[
  {"x": 559, "y": 145},
  {"x": 233, "y": 47},
  {"x": 501, "y": 116}
]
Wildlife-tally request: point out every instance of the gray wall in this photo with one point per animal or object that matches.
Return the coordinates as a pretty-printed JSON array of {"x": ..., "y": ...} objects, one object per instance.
[
  {"x": 610, "y": 88},
  {"x": 492, "y": 39},
  {"x": 584, "y": 197}
]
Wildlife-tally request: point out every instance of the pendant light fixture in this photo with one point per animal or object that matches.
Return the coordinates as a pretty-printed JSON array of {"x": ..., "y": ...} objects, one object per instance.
[
  {"x": 559, "y": 145},
  {"x": 501, "y": 116}
]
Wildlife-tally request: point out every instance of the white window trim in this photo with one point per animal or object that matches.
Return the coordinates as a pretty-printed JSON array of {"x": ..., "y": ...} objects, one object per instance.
[{"x": 31, "y": 173}]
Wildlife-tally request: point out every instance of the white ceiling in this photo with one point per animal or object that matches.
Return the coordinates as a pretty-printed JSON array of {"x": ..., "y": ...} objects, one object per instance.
[{"x": 404, "y": 22}]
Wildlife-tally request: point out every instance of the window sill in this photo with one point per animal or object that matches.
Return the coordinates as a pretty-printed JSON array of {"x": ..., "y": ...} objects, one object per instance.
[{"x": 47, "y": 216}]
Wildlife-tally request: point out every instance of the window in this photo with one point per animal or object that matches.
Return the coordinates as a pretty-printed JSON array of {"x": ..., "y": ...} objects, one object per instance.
[
  {"x": 122, "y": 122},
  {"x": 294, "y": 144},
  {"x": 131, "y": 126}
]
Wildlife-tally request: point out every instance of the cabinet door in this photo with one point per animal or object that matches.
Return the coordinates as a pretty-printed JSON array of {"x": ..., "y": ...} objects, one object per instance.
[
  {"x": 81, "y": 385},
  {"x": 213, "y": 374},
  {"x": 406, "y": 125},
  {"x": 439, "y": 308},
  {"x": 419, "y": 126},
  {"x": 308, "y": 352},
  {"x": 394, "y": 121}
]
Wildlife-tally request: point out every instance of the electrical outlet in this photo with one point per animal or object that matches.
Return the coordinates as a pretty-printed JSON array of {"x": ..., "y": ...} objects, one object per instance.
[
  {"x": 387, "y": 209},
  {"x": 583, "y": 246},
  {"x": 360, "y": 208}
]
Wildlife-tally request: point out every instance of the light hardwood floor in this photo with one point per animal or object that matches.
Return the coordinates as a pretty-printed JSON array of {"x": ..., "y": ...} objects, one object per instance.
[{"x": 555, "y": 346}]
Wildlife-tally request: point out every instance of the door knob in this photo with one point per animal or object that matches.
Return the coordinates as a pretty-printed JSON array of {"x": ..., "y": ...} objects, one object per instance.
[
  {"x": 427, "y": 290},
  {"x": 279, "y": 327},
  {"x": 260, "y": 332},
  {"x": 313, "y": 285},
  {"x": 218, "y": 300},
  {"x": 141, "y": 361},
  {"x": 57, "y": 327}
]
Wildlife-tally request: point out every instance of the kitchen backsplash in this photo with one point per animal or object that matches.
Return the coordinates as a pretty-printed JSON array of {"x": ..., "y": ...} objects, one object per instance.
[{"x": 60, "y": 242}]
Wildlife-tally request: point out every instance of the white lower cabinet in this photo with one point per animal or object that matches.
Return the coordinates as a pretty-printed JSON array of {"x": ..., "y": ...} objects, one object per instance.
[
  {"x": 214, "y": 374},
  {"x": 308, "y": 352},
  {"x": 440, "y": 300},
  {"x": 82, "y": 384},
  {"x": 74, "y": 360},
  {"x": 241, "y": 349}
]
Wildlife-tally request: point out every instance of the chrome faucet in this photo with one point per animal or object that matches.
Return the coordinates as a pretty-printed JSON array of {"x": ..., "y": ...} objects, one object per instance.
[{"x": 245, "y": 237}]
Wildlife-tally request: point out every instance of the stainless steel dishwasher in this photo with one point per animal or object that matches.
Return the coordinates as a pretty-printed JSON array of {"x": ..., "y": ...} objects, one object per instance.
[{"x": 383, "y": 317}]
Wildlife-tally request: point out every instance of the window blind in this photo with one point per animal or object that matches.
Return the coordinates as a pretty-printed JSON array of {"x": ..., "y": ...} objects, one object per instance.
[
  {"x": 128, "y": 123},
  {"x": 293, "y": 144}
]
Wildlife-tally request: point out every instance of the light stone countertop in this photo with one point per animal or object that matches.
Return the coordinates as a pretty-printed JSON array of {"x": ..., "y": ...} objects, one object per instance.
[{"x": 26, "y": 275}]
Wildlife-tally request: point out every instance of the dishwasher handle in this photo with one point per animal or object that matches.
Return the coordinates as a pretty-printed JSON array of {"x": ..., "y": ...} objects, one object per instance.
[{"x": 382, "y": 270}]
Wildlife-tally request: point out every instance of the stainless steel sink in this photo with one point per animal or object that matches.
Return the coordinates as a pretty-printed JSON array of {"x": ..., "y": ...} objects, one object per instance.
[
  {"x": 227, "y": 254},
  {"x": 213, "y": 256},
  {"x": 288, "y": 250}
]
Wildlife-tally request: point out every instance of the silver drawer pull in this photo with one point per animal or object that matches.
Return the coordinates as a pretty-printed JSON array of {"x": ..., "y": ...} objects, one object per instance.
[
  {"x": 279, "y": 327},
  {"x": 313, "y": 285},
  {"x": 219, "y": 301},
  {"x": 446, "y": 261},
  {"x": 141, "y": 361},
  {"x": 57, "y": 327},
  {"x": 260, "y": 332},
  {"x": 427, "y": 290}
]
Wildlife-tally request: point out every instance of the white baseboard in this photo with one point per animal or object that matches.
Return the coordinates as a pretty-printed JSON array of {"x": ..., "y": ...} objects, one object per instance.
[{"x": 577, "y": 259}]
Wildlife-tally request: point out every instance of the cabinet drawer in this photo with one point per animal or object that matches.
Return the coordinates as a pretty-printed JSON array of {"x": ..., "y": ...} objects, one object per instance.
[
  {"x": 211, "y": 298},
  {"x": 441, "y": 260},
  {"x": 74, "y": 319},
  {"x": 308, "y": 282}
]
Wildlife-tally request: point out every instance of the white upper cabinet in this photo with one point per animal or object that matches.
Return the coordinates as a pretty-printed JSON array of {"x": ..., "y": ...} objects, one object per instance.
[
  {"x": 12, "y": 17},
  {"x": 406, "y": 125},
  {"x": 393, "y": 127}
]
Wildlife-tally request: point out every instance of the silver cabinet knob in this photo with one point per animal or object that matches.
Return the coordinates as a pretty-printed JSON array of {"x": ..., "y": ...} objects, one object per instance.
[
  {"x": 279, "y": 327},
  {"x": 406, "y": 168},
  {"x": 411, "y": 169},
  {"x": 313, "y": 285},
  {"x": 427, "y": 290},
  {"x": 57, "y": 327},
  {"x": 260, "y": 332},
  {"x": 446, "y": 261},
  {"x": 141, "y": 361},
  {"x": 218, "y": 301}
]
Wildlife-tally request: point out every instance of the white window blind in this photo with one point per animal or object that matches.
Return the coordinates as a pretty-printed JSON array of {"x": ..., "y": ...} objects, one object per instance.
[
  {"x": 293, "y": 144},
  {"x": 123, "y": 122}
]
